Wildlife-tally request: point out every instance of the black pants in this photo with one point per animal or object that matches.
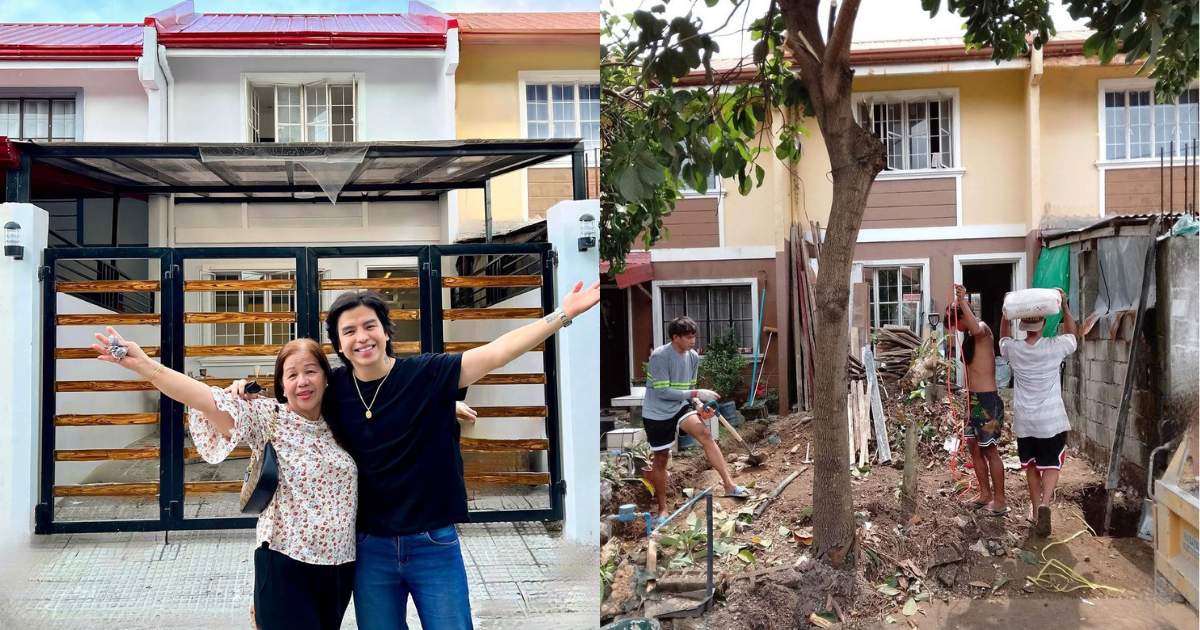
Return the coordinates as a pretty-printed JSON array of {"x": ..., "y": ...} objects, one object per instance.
[{"x": 294, "y": 595}]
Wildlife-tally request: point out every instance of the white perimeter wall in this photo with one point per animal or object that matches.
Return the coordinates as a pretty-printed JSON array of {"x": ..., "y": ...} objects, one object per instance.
[
  {"x": 398, "y": 98},
  {"x": 114, "y": 102}
]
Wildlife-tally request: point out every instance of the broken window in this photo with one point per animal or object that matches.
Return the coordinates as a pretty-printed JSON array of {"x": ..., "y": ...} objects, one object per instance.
[{"x": 917, "y": 133}]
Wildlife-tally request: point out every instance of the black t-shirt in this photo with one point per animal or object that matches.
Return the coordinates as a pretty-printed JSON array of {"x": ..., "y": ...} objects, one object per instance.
[{"x": 410, "y": 470}]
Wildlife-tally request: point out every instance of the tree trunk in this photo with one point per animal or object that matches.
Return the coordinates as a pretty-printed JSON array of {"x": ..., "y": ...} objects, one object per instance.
[{"x": 855, "y": 157}]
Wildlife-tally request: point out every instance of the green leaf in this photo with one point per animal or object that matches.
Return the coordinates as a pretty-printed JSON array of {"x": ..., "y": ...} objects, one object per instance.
[
  {"x": 652, "y": 177},
  {"x": 1028, "y": 558},
  {"x": 759, "y": 172},
  {"x": 1108, "y": 50},
  {"x": 691, "y": 520},
  {"x": 1091, "y": 45},
  {"x": 784, "y": 532},
  {"x": 630, "y": 185},
  {"x": 890, "y": 591},
  {"x": 910, "y": 607},
  {"x": 922, "y": 597},
  {"x": 668, "y": 541},
  {"x": 745, "y": 556}
]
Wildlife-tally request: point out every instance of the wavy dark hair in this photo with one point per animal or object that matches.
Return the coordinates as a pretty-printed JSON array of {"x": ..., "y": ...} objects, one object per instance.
[
  {"x": 354, "y": 299},
  {"x": 954, "y": 314}
]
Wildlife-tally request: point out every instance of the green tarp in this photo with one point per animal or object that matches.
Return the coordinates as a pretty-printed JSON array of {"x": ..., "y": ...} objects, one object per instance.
[{"x": 1053, "y": 272}]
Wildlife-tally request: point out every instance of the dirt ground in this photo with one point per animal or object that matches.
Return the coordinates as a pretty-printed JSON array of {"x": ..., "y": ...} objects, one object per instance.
[{"x": 951, "y": 555}]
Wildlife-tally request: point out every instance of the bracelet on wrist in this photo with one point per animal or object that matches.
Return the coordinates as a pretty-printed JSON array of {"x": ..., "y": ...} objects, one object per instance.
[{"x": 161, "y": 367}]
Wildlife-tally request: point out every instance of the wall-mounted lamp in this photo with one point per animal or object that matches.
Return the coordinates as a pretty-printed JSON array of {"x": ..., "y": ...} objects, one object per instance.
[
  {"x": 587, "y": 232},
  {"x": 12, "y": 240},
  {"x": 934, "y": 316}
]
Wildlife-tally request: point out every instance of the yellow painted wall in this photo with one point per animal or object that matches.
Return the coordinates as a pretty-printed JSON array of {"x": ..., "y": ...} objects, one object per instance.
[
  {"x": 488, "y": 105},
  {"x": 994, "y": 150},
  {"x": 1070, "y": 142},
  {"x": 759, "y": 218}
]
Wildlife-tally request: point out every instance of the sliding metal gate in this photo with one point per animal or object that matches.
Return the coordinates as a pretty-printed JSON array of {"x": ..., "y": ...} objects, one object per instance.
[{"x": 160, "y": 501}]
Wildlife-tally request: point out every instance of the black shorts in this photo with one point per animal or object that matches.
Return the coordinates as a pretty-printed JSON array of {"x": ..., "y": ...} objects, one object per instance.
[
  {"x": 986, "y": 418},
  {"x": 662, "y": 433},
  {"x": 1042, "y": 453}
]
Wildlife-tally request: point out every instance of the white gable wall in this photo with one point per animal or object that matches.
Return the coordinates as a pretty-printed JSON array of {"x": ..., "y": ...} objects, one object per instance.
[{"x": 114, "y": 105}]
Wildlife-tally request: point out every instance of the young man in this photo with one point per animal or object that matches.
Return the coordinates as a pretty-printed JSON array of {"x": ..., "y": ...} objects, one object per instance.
[
  {"x": 672, "y": 406},
  {"x": 1040, "y": 419},
  {"x": 985, "y": 408},
  {"x": 397, "y": 419}
]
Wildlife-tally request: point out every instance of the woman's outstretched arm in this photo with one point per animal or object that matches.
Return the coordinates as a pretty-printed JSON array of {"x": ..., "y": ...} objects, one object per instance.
[{"x": 177, "y": 386}]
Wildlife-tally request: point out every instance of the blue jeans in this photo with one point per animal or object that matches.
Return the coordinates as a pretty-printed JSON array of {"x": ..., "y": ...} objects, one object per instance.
[{"x": 428, "y": 566}]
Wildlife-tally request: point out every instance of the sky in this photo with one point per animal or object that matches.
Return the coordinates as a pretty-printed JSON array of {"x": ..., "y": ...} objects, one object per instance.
[
  {"x": 135, "y": 11},
  {"x": 877, "y": 20}
]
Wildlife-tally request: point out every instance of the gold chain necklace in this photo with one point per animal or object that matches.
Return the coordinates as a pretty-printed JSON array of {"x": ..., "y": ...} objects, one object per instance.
[{"x": 373, "y": 398}]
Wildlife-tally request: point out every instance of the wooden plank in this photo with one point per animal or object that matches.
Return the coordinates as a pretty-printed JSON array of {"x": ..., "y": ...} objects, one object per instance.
[
  {"x": 190, "y": 452},
  {"x": 463, "y": 346},
  {"x": 513, "y": 379},
  {"x": 239, "y": 285},
  {"x": 800, "y": 338},
  {"x": 479, "y": 445},
  {"x": 370, "y": 283},
  {"x": 102, "y": 386},
  {"x": 126, "y": 319},
  {"x": 511, "y": 412},
  {"x": 491, "y": 281},
  {"x": 107, "y": 490},
  {"x": 104, "y": 454},
  {"x": 883, "y": 454},
  {"x": 508, "y": 479},
  {"x": 238, "y": 318},
  {"x": 452, "y": 314},
  {"x": 107, "y": 286},
  {"x": 405, "y": 315},
  {"x": 88, "y": 353},
  {"x": 212, "y": 487},
  {"x": 104, "y": 419},
  {"x": 231, "y": 351}
]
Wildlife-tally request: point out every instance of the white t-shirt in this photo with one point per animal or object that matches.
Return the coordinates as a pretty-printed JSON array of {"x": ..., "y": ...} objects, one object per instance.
[{"x": 1038, "y": 409}]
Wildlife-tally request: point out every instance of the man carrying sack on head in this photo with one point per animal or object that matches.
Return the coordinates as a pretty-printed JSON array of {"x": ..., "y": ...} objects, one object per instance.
[{"x": 1039, "y": 417}]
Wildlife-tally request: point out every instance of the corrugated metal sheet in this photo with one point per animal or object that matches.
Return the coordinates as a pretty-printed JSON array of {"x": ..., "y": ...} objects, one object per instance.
[
  {"x": 220, "y": 23},
  {"x": 81, "y": 35},
  {"x": 561, "y": 22}
]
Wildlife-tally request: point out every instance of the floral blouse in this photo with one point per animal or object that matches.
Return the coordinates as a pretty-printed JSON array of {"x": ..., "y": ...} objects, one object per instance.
[{"x": 311, "y": 517}]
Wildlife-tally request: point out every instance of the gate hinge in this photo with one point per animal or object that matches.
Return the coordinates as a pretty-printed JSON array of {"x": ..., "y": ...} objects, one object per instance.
[
  {"x": 174, "y": 510},
  {"x": 170, "y": 272},
  {"x": 552, "y": 258},
  {"x": 562, "y": 487},
  {"x": 43, "y": 273}
]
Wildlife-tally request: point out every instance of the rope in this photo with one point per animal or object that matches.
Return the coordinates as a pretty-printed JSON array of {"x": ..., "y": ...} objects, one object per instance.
[{"x": 952, "y": 342}]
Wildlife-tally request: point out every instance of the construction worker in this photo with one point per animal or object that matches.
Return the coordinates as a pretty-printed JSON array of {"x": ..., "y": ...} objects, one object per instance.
[
  {"x": 672, "y": 407},
  {"x": 985, "y": 409},
  {"x": 1039, "y": 416}
]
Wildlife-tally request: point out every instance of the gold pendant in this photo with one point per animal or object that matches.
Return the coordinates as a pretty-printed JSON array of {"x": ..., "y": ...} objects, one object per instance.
[{"x": 368, "y": 414}]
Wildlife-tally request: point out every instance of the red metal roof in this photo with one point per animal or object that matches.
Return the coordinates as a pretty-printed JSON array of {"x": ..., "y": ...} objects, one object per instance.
[
  {"x": 563, "y": 22},
  {"x": 103, "y": 42},
  {"x": 181, "y": 27},
  {"x": 531, "y": 28}
]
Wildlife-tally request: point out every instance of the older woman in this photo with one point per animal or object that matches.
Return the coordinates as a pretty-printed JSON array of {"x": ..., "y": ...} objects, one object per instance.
[{"x": 304, "y": 560}]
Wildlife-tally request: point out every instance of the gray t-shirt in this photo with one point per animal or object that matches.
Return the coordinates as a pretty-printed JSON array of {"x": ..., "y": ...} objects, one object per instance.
[
  {"x": 669, "y": 383},
  {"x": 1038, "y": 409}
]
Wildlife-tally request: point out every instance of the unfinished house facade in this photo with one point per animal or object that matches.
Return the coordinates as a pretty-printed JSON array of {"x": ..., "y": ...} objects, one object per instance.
[{"x": 979, "y": 154}]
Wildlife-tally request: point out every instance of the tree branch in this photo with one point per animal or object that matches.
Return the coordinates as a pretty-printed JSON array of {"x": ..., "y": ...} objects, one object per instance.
[{"x": 843, "y": 30}]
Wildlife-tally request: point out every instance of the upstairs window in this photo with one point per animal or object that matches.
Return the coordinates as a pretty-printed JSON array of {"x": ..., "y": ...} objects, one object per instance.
[
  {"x": 563, "y": 110},
  {"x": 311, "y": 112},
  {"x": 45, "y": 119},
  {"x": 1136, "y": 127},
  {"x": 918, "y": 132}
]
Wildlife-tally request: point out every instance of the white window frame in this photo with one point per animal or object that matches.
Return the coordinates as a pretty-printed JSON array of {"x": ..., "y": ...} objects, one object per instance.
[
  {"x": 1126, "y": 85},
  {"x": 657, "y": 286},
  {"x": 51, "y": 94},
  {"x": 208, "y": 304},
  {"x": 540, "y": 77},
  {"x": 913, "y": 95},
  {"x": 923, "y": 263},
  {"x": 357, "y": 81}
]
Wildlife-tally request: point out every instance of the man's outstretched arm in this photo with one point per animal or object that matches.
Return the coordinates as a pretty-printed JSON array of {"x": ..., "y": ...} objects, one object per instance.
[{"x": 481, "y": 361}]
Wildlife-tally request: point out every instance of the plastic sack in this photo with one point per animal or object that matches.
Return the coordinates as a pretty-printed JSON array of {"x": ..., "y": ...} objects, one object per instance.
[
  {"x": 1185, "y": 226},
  {"x": 1053, "y": 271},
  {"x": 1032, "y": 303}
]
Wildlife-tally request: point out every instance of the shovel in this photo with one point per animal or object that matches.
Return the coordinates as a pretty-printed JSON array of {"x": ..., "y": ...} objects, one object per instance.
[{"x": 752, "y": 458}]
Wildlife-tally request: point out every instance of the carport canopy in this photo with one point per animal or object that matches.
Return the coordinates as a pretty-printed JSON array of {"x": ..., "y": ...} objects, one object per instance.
[{"x": 239, "y": 172}]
